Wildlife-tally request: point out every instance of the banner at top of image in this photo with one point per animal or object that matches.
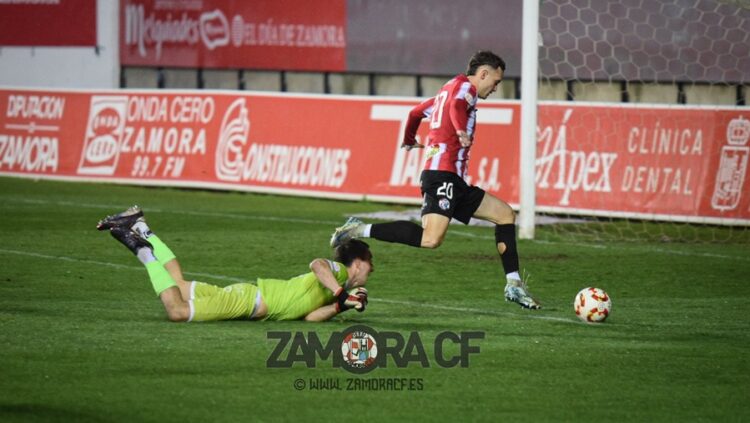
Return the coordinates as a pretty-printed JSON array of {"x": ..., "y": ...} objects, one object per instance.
[{"x": 261, "y": 34}]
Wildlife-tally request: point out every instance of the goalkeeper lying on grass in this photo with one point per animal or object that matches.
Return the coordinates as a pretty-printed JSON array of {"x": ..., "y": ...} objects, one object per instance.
[{"x": 331, "y": 288}]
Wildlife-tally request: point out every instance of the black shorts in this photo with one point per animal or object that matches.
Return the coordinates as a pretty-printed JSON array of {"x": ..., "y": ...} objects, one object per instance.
[{"x": 447, "y": 194}]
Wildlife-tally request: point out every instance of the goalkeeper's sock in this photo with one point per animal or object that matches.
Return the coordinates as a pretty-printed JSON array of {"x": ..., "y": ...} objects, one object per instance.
[
  {"x": 141, "y": 228},
  {"x": 161, "y": 251},
  {"x": 159, "y": 276},
  {"x": 507, "y": 235},
  {"x": 402, "y": 232},
  {"x": 145, "y": 255}
]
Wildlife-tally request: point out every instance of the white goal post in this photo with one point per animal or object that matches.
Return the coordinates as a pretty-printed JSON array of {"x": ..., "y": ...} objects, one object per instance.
[{"x": 529, "y": 88}]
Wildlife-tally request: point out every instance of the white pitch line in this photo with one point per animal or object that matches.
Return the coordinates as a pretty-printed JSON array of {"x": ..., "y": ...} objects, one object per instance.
[
  {"x": 475, "y": 310},
  {"x": 233, "y": 279},
  {"x": 605, "y": 247},
  {"x": 114, "y": 208},
  {"x": 651, "y": 250},
  {"x": 115, "y": 265}
]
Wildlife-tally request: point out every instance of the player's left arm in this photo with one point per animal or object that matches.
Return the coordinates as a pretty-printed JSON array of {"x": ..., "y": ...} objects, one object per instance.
[{"x": 459, "y": 114}]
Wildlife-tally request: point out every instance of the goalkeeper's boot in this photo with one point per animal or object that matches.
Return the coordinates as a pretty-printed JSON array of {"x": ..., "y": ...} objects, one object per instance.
[
  {"x": 131, "y": 240},
  {"x": 125, "y": 219},
  {"x": 131, "y": 218},
  {"x": 517, "y": 292},
  {"x": 352, "y": 228}
]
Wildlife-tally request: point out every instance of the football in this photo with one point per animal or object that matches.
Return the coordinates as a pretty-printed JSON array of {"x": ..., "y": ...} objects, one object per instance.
[{"x": 592, "y": 305}]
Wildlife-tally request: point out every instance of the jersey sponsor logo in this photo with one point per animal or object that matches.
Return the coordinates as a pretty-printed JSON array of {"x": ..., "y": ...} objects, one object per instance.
[
  {"x": 432, "y": 151},
  {"x": 334, "y": 266}
]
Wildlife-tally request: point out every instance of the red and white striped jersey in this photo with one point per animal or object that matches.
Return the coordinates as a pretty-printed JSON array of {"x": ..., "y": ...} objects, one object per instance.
[{"x": 452, "y": 109}]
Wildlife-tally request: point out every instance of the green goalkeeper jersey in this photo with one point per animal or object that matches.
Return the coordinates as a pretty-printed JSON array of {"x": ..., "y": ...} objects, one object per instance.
[{"x": 295, "y": 298}]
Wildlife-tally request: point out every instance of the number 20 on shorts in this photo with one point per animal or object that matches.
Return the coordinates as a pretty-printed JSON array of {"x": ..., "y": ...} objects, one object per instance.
[{"x": 446, "y": 190}]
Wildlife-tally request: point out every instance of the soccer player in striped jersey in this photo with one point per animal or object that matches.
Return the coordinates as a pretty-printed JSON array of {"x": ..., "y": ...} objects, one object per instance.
[
  {"x": 331, "y": 287},
  {"x": 452, "y": 118}
]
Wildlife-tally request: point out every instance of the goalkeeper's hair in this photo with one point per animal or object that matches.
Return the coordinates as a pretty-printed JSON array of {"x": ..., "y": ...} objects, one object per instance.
[
  {"x": 484, "y": 57},
  {"x": 353, "y": 249}
]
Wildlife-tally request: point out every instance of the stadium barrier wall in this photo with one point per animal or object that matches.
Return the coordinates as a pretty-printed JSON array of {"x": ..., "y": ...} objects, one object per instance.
[{"x": 664, "y": 163}]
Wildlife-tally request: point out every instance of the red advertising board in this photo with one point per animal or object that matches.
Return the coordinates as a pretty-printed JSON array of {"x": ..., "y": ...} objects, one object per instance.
[
  {"x": 48, "y": 23},
  {"x": 641, "y": 161},
  {"x": 676, "y": 163},
  {"x": 259, "y": 34}
]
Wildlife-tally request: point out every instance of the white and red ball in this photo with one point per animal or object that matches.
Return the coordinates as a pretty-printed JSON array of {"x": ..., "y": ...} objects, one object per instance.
[{"x": 592, "y": 305}]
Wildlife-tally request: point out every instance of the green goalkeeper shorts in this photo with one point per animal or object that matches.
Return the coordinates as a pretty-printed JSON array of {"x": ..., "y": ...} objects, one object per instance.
[{"x": 210, "y": 302}]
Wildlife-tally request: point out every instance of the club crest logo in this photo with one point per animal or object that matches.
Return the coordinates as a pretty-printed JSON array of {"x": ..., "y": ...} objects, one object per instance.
[
  {"x": 730, "y": 177},
  {"x": 444, "y": 204},
  {"x": 359, "y": 350}
]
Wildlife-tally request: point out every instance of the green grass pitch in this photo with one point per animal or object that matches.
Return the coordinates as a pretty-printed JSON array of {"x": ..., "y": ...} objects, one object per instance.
[{"x": 84, "y": 338}]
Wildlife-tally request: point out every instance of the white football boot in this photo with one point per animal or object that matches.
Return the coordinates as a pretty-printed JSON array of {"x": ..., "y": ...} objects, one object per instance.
[
  {"x": 352, "y": 228},
  {"x": 517, "y": 292}
]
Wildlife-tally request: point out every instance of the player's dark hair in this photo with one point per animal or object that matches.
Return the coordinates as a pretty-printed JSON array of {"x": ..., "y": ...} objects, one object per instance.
[
  {"x": 353, "y": 249},
  {"x": 484, "y": 57}
]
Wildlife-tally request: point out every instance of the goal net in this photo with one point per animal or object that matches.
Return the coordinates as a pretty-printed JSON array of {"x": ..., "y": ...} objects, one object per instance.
[{"x": 643, "y": 125}]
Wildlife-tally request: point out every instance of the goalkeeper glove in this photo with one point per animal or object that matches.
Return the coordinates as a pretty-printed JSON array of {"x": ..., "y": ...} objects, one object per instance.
[{"x": 357, "y": 300}]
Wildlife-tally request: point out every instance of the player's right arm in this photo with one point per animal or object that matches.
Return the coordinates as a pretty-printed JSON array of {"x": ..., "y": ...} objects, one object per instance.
[
  {"x": 322, "y": 314},
  {"x": 421, "y": 111},
  {"x": 357, "y": 299}
]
